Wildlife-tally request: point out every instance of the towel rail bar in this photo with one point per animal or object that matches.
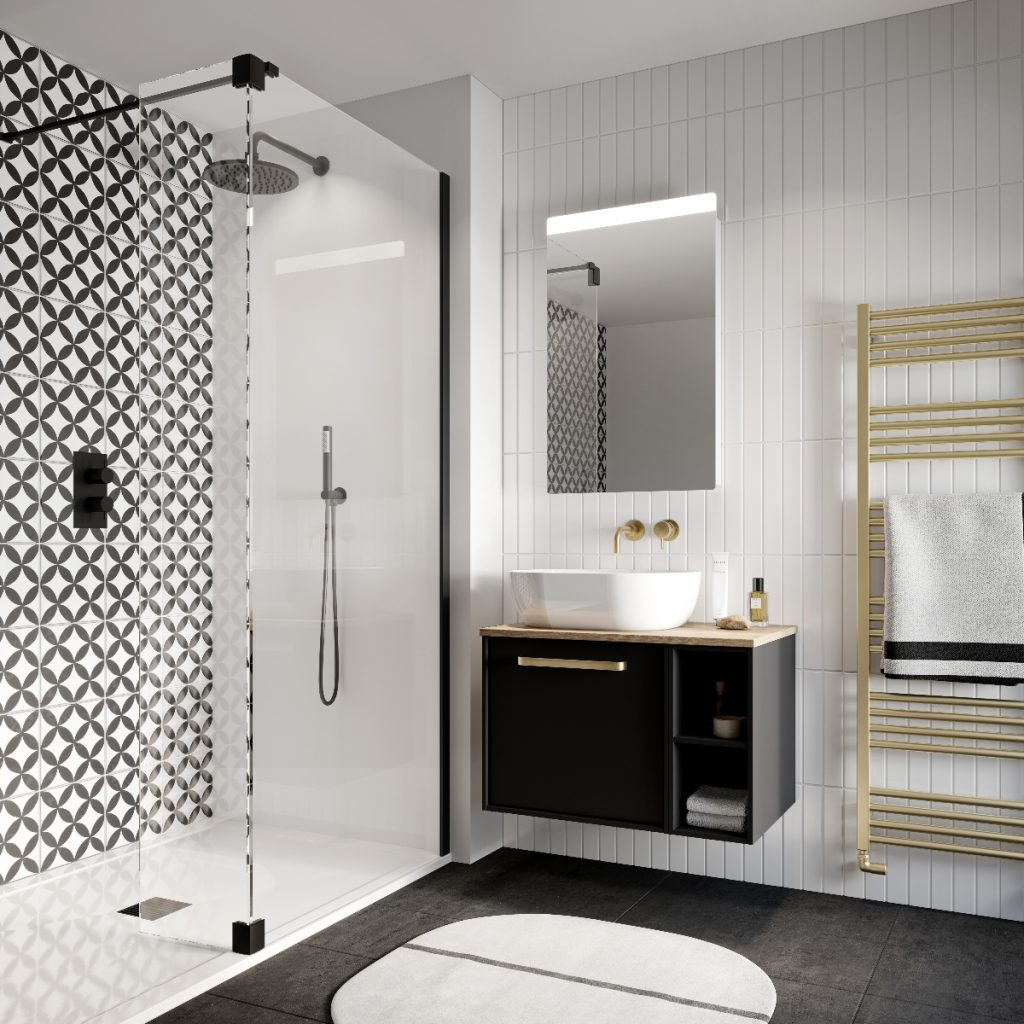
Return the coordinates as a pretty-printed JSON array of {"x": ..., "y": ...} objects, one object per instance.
[
  {"x": 931, "y": 844},
  {"x": 911, "y": 336},
  {"x": 972, "y": 306},
  {"x": 927, "y": 698},
  {"x": 944, "y": 830},
  {"x": 948, "y": 798},
  {"x": 934, "y": 812}
]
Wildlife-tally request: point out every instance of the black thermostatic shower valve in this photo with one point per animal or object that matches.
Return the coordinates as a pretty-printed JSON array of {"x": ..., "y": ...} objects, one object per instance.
[{"x": 91, "y": 477}]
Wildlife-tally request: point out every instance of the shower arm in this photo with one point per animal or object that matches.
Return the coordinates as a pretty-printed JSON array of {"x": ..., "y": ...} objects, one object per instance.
[{"x": 320, "y": 164}]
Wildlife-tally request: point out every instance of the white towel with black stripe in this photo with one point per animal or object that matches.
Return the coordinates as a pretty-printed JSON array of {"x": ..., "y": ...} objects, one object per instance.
[{"x": 954, "y": 587}]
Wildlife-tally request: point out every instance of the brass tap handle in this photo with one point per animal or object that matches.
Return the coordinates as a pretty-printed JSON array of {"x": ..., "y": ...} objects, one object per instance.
[
  {"x": 666, "y": 529},
  {"x": 633, "y": 529}
]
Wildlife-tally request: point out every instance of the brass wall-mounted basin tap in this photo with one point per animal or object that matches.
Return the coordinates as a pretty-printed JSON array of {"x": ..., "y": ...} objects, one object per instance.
[{"x": 632, "y": 529}]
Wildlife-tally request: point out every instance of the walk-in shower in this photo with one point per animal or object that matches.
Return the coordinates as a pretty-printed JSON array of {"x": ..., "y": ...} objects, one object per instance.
[{"x": 254, "y": 306}]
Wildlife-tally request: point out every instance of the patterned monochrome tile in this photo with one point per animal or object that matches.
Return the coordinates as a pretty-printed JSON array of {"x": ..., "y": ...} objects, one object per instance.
[
  {"x": 186, "y": 154},
  {"x": 151, "y": 211},
  {"x": 72, "y": 823},
  {"x": 20, "y": 764},
  {"x": 186, "y": 584},
  {"x": 19, "y": 585},
  {"x": 123, "y": 519},
  {"x": 151, "y": 569},
  {"x": 73, "y": 743},
  {"x": 187, "y": 363},
  {"x": 19, "y": 83},
  {"x": 122, "y": 277},
  {"x": 122, "y": 132},
  {"x": 73, "y": 344},
  {"x": 20, "y": 678},
  {"x": 20, "y": 408},
  {"x": 152, "y": 305},
  {"x": 73, "y": 183},
  {"x": 65, "y": 90},
  {"x": 121, "y": 436},
  {"x": 186, "y": 219},
  {"x": 122, "y": 202},
  {"x": 57, "y": 520},
  {"x": 73, "y": 263},
  {"x": 19, "y": 332},
  {"x": 122, "y": 732},
  {"x": 72, "y": 583},
  {"x": 19, "y": 837},
  {"x": 73, "y": 419},
  {"x": 73, "y": 663},
  {"x": 19, "y": 173},
  {"x": 122, "y": 657},
  {"x": 123, "y": 341},
  {"x": 19, "y": 501},
  {"x": 122, "y": 581},
  {"x": 20, "y": 239},
  {"x": 122, "y": 814}
]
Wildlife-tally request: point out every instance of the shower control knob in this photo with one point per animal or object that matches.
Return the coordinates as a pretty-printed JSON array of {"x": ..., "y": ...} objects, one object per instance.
[
  {"x": 93, "y": 505},
  {"x": 104, "y": 475}
]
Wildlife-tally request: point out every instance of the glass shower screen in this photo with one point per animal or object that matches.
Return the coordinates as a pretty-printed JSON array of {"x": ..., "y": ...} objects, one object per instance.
[
  {"x": 345, "y": 498},
  {"x": 321, "y": 555}
]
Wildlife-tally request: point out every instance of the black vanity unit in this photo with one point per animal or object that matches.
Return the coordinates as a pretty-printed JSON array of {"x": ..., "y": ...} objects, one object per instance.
[{"x": 616, "y": 728}]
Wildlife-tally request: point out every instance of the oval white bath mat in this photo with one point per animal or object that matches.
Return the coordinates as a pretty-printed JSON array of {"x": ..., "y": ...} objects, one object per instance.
[{"x": 543, "y": 969}]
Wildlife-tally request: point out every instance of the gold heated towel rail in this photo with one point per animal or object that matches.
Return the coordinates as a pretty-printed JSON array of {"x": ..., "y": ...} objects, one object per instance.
[{"x": 906, "y": 337}]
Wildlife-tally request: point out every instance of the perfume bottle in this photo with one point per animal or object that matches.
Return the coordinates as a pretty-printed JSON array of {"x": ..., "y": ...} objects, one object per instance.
[{"x": 758, "y": 603}]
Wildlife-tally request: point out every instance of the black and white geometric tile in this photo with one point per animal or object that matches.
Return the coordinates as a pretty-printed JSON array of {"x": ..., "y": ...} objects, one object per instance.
[
  {"x": 576, "y": 402},
  {"x": 105, "y": 344}
]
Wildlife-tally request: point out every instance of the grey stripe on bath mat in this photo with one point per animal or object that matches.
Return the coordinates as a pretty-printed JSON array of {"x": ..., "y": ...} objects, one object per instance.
[{"x": 681, "y": 1000}]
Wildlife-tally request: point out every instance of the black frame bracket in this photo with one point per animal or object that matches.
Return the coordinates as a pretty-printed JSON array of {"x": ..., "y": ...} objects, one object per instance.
[
  {"x": 248, "y": 937},
  {"x": 249, "y": 70}
]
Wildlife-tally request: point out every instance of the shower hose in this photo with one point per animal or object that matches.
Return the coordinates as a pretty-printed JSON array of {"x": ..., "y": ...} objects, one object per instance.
[{"x": 331, "y": 571}]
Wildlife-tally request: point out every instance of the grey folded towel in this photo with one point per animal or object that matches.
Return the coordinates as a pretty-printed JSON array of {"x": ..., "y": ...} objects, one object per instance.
[
  {"x": 954, "y": 587},
  {"x": 718, "y": 800},
  {"x": 721, "y": 822}
]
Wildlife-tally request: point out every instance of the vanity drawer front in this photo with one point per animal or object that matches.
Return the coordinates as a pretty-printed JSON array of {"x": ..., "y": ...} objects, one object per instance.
[{"x": 576, "y": 730}]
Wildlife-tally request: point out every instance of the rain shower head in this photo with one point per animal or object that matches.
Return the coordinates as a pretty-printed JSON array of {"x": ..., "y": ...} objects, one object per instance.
[{"x": 268, "y": 178}]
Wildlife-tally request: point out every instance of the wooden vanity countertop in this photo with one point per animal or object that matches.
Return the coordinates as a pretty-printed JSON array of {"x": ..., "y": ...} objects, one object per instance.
[{"x": 693, "y": 634}]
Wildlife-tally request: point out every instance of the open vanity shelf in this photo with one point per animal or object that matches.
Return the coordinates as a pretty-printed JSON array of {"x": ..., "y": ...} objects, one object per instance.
[{"x": 616, "y": 728}]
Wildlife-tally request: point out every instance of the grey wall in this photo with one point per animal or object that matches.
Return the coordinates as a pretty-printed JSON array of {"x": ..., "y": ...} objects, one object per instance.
[{"x": 661, "y": 406}]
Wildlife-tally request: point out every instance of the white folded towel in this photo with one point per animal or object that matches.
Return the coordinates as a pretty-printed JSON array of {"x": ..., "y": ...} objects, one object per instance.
[
  {"x": 719, "y": 800},
  {"x": 720, "y": 822},
  {"x": 954, "y": 588}
]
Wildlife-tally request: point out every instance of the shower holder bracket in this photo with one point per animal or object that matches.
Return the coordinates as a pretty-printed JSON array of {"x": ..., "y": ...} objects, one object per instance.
[{"x": 248, "y": 937}]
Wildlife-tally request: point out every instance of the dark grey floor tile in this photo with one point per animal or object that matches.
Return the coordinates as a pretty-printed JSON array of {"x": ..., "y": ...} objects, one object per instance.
[
  {"x": 877, "y": 1010},
  {"x": 518, "y": 882},
  {"x": 802, "y": 1003},
  {"x": 954, "y": 962},
  {"x": 376, "y": 930},
  {"x": 301, "y": 981},
  {"x": 209, "y": 1009},
  {"x": 823, "y": 940}
]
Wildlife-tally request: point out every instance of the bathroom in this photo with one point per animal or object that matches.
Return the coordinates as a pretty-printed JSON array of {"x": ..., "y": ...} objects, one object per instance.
[{"x": 167, "y": 727}]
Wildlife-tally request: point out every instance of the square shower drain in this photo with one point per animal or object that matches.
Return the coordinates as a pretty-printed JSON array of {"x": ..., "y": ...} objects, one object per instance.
[{"x": 154, "y": 908}]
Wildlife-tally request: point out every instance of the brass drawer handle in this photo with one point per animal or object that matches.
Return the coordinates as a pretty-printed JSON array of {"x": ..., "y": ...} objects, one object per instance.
[{"x": 592, "y": 666}]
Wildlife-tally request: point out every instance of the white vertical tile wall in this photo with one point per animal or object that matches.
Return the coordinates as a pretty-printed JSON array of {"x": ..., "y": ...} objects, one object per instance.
[{"x": 880, "y": 163}]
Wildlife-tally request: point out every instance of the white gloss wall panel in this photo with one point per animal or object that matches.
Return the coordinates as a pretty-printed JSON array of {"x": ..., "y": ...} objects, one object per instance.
[{"x": 879, "y": 163}]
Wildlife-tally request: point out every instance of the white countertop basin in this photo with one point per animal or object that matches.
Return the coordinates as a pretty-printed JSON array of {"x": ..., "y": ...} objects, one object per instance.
[{"x": 602, "y": 599}]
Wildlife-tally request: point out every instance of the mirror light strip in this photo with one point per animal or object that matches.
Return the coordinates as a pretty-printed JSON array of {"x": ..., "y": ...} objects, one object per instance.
[
  {"x": 660, "y": 209},
  {"x": 340, "y": 257}
]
